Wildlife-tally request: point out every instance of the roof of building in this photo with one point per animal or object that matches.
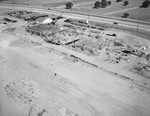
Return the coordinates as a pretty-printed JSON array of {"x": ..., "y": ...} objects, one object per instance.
[{"x": 41, "y": 19}]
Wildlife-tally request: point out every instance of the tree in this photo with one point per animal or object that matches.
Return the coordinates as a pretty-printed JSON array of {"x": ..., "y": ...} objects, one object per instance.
[
  {"x": 145, "y": 4},
  {"x": 97, "y": 4},
  {"x": 126, "y": 3},
  {"x": 69, "y": 5},
  {"x": 104, "y": 3}
]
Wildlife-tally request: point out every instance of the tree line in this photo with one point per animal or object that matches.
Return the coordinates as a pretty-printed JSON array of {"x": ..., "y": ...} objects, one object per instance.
[{"x": 105, "y": 3}]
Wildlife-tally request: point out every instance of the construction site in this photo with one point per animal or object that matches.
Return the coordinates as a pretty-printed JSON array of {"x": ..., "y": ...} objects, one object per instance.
[
  {"x": 86, "y": 39},
  {"x": 52, "y": 65}
]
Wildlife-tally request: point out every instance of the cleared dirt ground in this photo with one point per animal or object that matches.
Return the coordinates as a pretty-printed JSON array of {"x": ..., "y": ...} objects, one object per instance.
[{"x": 38, "y": 79}]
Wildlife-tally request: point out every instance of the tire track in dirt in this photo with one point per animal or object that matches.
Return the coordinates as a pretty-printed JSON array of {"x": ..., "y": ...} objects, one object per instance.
[
  {"x": 65, "y": 88},
  {"x": 58, "y": 84}
]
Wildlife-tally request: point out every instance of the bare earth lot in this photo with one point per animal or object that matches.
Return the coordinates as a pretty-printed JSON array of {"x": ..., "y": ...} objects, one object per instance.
[{"x": 39, "y": 79}]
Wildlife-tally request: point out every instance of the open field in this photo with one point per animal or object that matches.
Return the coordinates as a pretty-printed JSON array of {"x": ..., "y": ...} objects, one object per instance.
[
  {"x": 72, "y": 69},
  {"x": 32, "y": 1},
  {"x": 139, "y": 13},
  {"x": 62, "y": 3},
  {"x": 116, "y": 8},
  {"x": 53, "y": 3}
]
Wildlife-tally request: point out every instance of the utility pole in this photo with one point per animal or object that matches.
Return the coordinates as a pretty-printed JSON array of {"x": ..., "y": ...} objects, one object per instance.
[
  {"x": 87, "y": 21},
  {"x": 30, "y": 110},
  {"x": 137, "y": 26},
  {"x": 88, "y": 18}
]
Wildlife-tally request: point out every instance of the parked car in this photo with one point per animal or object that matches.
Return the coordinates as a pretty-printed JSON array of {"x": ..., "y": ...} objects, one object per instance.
[
  {"x": 115, "y": 23},
  {"x": 9, "y": 20},
  {"x": 67, "y": 20}
]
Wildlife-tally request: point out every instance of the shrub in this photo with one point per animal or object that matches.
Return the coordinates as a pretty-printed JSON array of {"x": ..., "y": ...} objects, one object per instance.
[
  {"x": 126, "y": 3},
  {"x": 69, "y": 5},
  {"x": 125, "y": 15},
  {"x": 119, "y": 0},
  {"x": 145, "y": 4},
  {"x": 108, "y": 2}
]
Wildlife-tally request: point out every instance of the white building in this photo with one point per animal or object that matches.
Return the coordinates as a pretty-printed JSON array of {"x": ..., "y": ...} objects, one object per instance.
[
  {"x": 44, "y": 20},
  {"x": 48, "y": 20}
]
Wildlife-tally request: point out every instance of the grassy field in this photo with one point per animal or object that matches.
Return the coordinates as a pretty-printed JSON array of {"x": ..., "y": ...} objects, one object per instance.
[
  {"x": 53, "y": 3},
  {"x": 114, "y": 7},
  {"x": 140, "y": 14},
  {"x": 117, "y": 9},
  {"x": 33, "y": 1},
  {"x": 63, "y": 2}
]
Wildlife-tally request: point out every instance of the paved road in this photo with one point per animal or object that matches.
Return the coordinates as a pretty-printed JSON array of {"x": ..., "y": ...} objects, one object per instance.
[{"x": 103, "y": 19}]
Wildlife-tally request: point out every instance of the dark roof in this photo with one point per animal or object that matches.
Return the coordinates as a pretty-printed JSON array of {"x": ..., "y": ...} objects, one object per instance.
[{"x": 128, "y": 50}]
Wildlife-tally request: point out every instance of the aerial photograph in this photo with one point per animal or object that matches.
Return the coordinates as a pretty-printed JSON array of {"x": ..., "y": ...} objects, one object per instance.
[{"x": 74, "y": 57}]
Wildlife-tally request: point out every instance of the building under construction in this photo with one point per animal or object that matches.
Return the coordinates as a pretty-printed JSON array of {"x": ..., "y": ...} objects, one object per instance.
[
  {"x": 48, "y": 32},
  {"x": 43, "y": 30}
]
